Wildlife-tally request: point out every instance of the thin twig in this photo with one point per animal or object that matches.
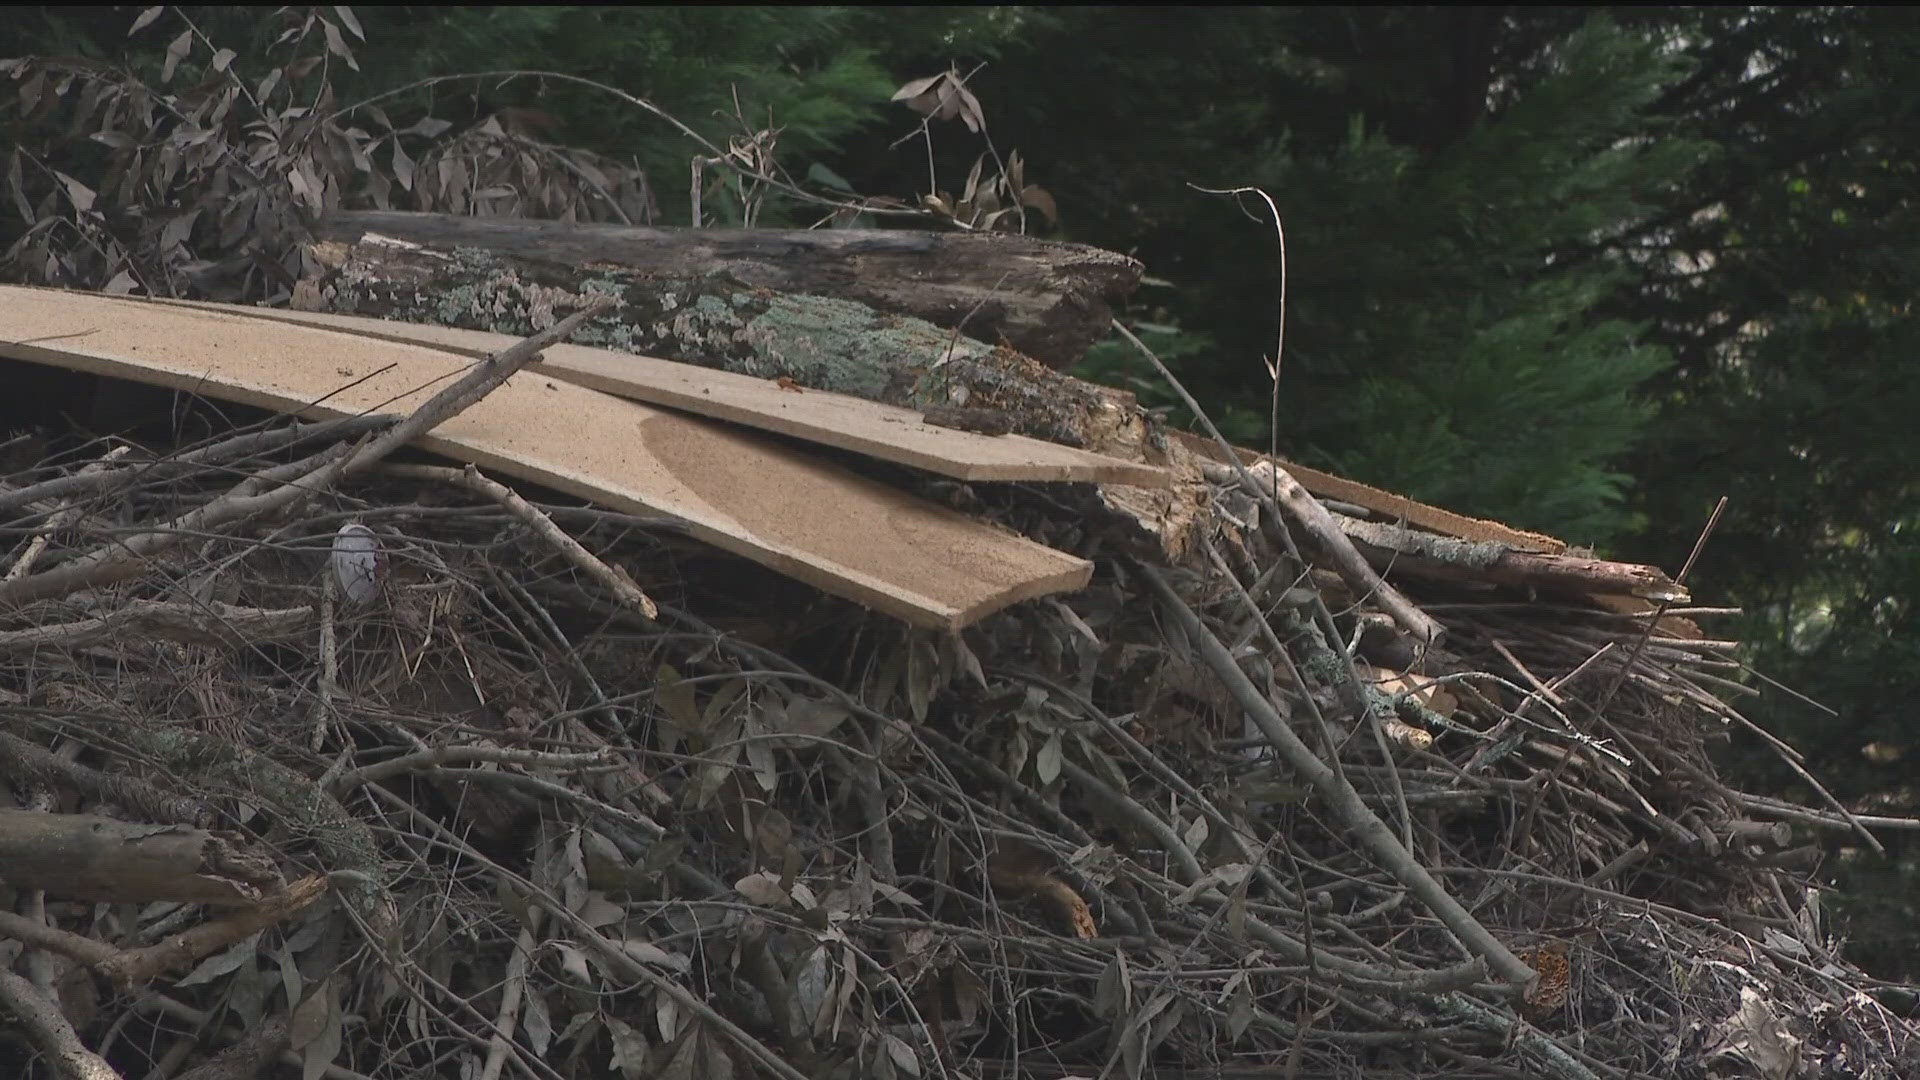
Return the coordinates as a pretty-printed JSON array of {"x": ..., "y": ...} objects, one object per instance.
[
  {"x": 1280, "y": 324},
  {"x": 618, "y": 581}
]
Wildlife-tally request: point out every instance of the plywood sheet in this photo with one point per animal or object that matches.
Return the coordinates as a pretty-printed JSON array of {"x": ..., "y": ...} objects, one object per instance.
[
  {"x": 783, "y": 508},
  {"x": 886, "y": 432}
]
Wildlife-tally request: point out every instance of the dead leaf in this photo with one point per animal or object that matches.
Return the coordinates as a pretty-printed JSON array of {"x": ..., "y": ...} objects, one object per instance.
[
  {"x": 1240, "y": 1007},
  {"x": 629, "y": 1048},
  {"x": 763, "y": 888},
  {"x": 402, "y": 165},
  {"x": 574, "y": 963},
  {"x": 654, "y": 956},
  {"x": 902, "y": 1055},
  {"x": 597, "y": 911},
  {"x": 308, "y": 1017},
  {"x": 537, "y": 1021},
  {"x": 675, "y": 697},
  {"x": 969, "y": 109},
  {"x": 337, "y": 45},
  {"x": 324, "y": 1047},
  {"x": 666, "y": 1016},
  {"x": 811, "y": 987},
  {"x": 683, "y": 1065},
  {"x": 145, "y": 19},
  {"x": 1754, "y": 1033},
  {"x": 1046, "y": 763},
  {"x": 809, "y": 718},
  {"x": 79, "y": 194},
  {"x": 1196, "y": 834},
  {"x": 222, "y": 962},
  {"x": 176, "y": 52},
  {"x": 913, "y": 88}
]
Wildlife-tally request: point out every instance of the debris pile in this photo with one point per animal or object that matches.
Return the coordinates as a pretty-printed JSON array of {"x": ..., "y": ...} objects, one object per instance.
[{"x": 394, "y": 770}]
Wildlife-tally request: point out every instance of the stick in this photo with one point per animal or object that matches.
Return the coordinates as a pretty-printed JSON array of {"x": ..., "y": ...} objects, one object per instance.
[
  {"x": 1340, "y": 796},
  {"x": 238, "y": 446},
  {"x": 63, "y": 517},
  {"x": 614, "y": 578},
  {"x": 49, "y": 1031},
  {"x": 208, "y": 623},
  {"x": 1352, "y": 566}
]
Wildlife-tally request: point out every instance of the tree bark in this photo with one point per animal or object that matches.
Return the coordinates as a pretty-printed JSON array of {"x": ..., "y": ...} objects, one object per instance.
[
  {"x": 1047, "y": 299},
  {"x": 95, "y": 858},
  {"x": 720, "y": 321}
]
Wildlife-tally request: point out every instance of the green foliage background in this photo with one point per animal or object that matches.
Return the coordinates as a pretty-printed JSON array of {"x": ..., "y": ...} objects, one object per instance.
[{"x": 1585, "y": 270}]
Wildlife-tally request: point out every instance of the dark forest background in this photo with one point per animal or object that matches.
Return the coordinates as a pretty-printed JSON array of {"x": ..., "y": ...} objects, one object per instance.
[{"x": 1585, "y": 270}]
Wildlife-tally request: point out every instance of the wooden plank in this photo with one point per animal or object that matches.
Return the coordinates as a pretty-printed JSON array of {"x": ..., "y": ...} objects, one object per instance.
[
  {"x": 1431, "y": 518},
  {"x": 886, "y": 432},
  {"x": 786, "y": 509}
]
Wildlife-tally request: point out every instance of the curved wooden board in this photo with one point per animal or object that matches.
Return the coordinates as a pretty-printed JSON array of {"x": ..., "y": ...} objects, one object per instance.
[
  {"x": 786, "y": 509},
  {"x": 886, "y": 432}
]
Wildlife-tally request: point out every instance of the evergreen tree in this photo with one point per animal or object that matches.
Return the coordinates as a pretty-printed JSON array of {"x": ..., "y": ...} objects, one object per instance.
[
  {"x": 1789, "y": 311},
  {"x": 1446, "y": 178}
]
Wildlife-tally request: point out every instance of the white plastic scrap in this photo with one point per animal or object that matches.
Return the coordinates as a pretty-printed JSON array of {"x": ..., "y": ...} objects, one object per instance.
[{"x": 357, "y": 562}]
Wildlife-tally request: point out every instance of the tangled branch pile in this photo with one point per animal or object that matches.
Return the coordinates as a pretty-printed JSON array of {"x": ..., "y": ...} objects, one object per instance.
[{"x": 1196, "y": 820}]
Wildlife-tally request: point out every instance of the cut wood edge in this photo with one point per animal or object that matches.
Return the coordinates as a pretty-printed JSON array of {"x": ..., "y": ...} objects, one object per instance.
[
  {"x": 1678, "y": 626},
  {"x": 896, "y": 553},
  {"x": 877, "y": 430},
  {"x": 1432, "y": 518}
]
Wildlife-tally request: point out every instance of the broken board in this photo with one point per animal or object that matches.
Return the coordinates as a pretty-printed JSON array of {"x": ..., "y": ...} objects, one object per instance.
[
  {"x": 1387, "y": 504},
  {"x": 885, "y": 432},
  {"x": 783, "y": 508}
]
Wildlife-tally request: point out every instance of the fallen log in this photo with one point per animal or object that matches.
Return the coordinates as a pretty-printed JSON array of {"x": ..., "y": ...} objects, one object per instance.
[
  {"x": 1045, "y": 298},
  {"x": 816, "y": 342},
  {"x": 717, "y": 321}
]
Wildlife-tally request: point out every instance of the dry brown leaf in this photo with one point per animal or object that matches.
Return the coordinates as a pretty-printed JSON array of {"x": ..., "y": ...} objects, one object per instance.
[
  {"x": 176, "y": 52},
  {"x": 913, "y": 88},
  {"x": 145, "y": 19}
]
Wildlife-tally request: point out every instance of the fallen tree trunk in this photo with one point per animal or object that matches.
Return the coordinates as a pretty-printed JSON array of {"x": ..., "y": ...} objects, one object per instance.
[
  {"x": 818, "y": 342},
  {"x": 718, "y": 321},
  {"x": 1047, "y": 299}
]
